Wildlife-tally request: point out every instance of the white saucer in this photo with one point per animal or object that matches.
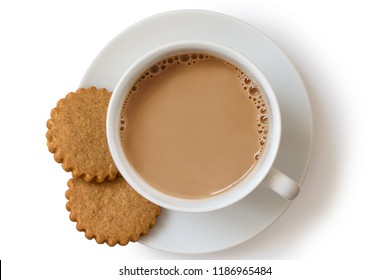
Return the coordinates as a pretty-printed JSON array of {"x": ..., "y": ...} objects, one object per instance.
[{"x": 213, "y": 231}]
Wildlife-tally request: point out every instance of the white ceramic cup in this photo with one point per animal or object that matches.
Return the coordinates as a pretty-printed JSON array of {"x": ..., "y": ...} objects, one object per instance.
[{"x": 263, "y": 174}]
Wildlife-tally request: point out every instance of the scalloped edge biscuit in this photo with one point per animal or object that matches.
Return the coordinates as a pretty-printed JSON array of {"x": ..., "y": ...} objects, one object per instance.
[
  {"x": 77, "y": 135},
  {"x": 110, "y": 212}
]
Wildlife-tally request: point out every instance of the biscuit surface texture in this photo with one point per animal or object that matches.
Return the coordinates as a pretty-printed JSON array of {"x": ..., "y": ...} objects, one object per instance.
[
  {"x": 110, "y": 212},
  {"x": 77, "y": 135}
]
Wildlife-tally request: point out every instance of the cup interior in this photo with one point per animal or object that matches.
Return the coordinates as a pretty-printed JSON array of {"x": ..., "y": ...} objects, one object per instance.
[{"x": 247, "y": 184}]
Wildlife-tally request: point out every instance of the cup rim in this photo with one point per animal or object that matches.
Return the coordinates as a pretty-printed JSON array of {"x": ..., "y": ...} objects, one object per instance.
[{"x": 251, "y": 181}]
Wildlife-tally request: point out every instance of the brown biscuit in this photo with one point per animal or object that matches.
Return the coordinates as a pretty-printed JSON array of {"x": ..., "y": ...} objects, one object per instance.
[
  {"x": 77, "y": 135},
  {"x": 110, "y": 212}
]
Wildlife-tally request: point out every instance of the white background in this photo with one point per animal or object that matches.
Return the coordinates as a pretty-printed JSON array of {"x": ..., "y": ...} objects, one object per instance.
[{"x": 342, "y": 51}]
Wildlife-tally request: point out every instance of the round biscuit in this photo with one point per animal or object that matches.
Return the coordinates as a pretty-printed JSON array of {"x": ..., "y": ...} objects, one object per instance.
[
  {"x": 111, "y": 211},
  {"x": 77, "y": 135}
]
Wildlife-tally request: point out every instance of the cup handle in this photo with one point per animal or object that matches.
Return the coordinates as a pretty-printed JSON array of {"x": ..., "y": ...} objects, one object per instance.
[{"x": 281, "y": 184}]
